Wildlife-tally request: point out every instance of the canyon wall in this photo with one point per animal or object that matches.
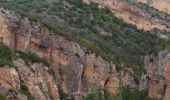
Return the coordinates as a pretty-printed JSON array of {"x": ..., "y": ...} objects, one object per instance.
[{"x": 76, "y": 71}]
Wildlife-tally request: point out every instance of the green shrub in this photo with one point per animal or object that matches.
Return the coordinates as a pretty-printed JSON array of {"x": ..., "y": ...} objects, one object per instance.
[
  {"x": 125, "y": 93},
  {"x": 134, "y": 94},
  {"x": 77, "y": 55},
  {"x": 5, "y": 55},
  {"x": 34, "y": 58},
  {"x": 3, "y": 96},
  {"x": 100, "y": 95},
  {"x": 24, "y": 90},
  {"x": 65, "y": 96}
]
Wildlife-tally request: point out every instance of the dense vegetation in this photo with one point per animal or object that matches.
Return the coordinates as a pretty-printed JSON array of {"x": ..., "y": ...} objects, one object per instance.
[
  {"x": 126, "y": 93},
  {"x": 96, "y": 29}
]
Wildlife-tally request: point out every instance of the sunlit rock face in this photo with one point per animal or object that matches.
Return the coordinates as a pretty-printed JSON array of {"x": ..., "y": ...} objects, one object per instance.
[
  {"x": 162, "y": 5},
  {"x": 157, "y": 73}
]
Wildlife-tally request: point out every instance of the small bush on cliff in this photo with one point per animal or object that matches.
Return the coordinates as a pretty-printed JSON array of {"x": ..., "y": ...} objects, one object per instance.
[
  {"x": 3, "y": 96},
  {"x": 24, "y": 90},
  {"x": 77, "y": 55},
  {"x": 32, "y": 57},
  {"x": 100, "y": 95},
  {"x": 5, "y": 55},
  {"x": 65, "y": 96},
  {"x": 134, "y": 94}
]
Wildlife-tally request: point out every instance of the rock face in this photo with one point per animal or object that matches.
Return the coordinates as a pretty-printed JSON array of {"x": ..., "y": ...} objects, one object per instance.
[
  {"x": 35, "y": 76},
  {"x": 157, "y": 74}
]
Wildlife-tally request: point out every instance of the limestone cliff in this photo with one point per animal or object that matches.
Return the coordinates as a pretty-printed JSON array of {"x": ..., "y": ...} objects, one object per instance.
[{"x": 76, "y": 71}]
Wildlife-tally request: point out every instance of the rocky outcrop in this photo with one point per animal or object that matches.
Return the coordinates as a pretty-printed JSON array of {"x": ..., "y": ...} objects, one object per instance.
[
  {"x": 157, "y": 70},
  {"x": 34, "y": 76}
]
